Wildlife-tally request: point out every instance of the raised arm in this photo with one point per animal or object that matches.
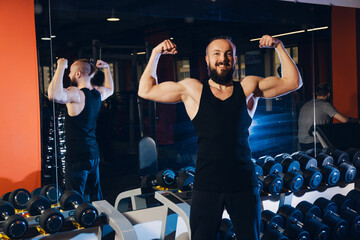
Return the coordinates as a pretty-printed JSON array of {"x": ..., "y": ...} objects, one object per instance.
[
  {"x": 56, "y": 90},
  {"x": 108, "y": 89},
  {"x": 166, "y": 92},
  {"x": 273, "y": 86}
]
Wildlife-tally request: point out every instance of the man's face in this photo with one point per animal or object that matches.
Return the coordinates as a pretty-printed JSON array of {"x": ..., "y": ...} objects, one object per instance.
[
  {"x": 72, "y": 75},
  {"x": 220, "y": 60}
]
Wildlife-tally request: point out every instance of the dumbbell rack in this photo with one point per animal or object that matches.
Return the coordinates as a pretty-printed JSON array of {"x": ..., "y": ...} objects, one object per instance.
[
  {"x": 55, "y": 150},
  {"x": 171, "y": 218},
  {"x": 110, "y": 216}
]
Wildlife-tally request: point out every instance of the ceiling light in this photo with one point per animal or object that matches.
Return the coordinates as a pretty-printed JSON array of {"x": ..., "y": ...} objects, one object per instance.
[
  {"x": 47, "y": 38},
  {"x": 113, "y": 17}
]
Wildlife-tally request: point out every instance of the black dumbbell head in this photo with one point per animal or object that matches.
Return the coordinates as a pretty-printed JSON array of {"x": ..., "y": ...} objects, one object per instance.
[
  {"x": 188, "y": 169},
  {"x": 273, "y": 235},
  {"x": 36, "y": 204},
  {"x": 70, "y": 197},
  {"x": 293, "y": 231},
  {"x": 18, "y": 198},
  {"x": 148, "y": 181},
  {"x": 86, "y": 214},
  {"x": 258, "y": 170},
  {"x": 316, "y": 229},
  {"x": 166, "y": 178},
  {"x": 347, "y": 172},
  {"x": 273, "y": 184},
  {"x": 290, "y": 164},
  {"x": 326, "y": 205},
  {"x": 269, "y": 219},
  {"x": 290, "y": 214},
  {"x": 293, "y": 181},
  {"x": 6, "y": 209},
  {"x": 35, "y": 192},
  {"x": 330, "y": 175},
  {"x": 343, "y": 202},
  {"x": 312, "y": 178},
  {"x": 355, "y": 196},
  {"x": 5, "y": 197},
  {"x": 271, "y": 167},
  {"x": 15, "y": 226},
  {"x": 281, "y": 157},
  {"x": 338, "y": 227},
  {"x": 185, "y": 181},
  {"x": 51, "y": 220},
  {"x": 263, "y": 159},
  {"x": 309, "y": 210},
  {"x": 354, "y": 156},
  {"x": 324, "y": 159},
  {"x": 52, "y": 192}
]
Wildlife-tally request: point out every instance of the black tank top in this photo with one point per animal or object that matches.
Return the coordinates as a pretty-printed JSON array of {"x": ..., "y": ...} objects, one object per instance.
[
  {"x": 224, "y": 157},
  {"x": 80, "y": 130}
]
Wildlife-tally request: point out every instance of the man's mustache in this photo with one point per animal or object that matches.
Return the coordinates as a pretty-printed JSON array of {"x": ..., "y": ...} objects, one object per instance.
[{"x": 222, "y": 63}]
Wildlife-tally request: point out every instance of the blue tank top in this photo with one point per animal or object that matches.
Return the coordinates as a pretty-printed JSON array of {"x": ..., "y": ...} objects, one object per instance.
[
  {"x": 224, "y": 156},
  {"x": 80, "y": 138}
]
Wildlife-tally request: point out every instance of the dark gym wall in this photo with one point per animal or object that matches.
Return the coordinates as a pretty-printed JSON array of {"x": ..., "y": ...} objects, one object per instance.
[
  {"x": 344, "y": 60},
  {"x": 20, "y": 151}
]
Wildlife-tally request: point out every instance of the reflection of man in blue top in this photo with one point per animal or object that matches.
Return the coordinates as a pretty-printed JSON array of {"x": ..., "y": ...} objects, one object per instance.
[
  {"x": 324, "y": 112},
  {"x": 83, "y": 103}
]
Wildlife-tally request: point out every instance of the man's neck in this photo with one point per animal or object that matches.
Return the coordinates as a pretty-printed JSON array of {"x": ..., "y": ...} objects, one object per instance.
[
  {"x": 220, "y": 87},
  {"x": 84, "y": 83}
]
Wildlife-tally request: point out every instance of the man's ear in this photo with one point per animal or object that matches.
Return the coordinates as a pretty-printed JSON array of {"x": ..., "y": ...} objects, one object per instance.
[
  {"x": 207, "y": 60},
  {"x": 78, "y": 74}
]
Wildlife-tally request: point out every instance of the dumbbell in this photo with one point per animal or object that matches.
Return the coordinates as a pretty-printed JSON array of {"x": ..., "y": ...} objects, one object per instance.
[
  {"x": 19, "y": 197},
  {"x": 35, "y": 192},
  {"x": 341, "y": 159},
  {"x": 51, "y": 219},
  {"x": 5, "y": 196},
  {"x": 272, "y": 221},
  {"x": 185, "y": 178},
  {"x": 347, "y": 211},
  {"x": 330, "y": 174},
  {"x": 354, "y": 156},
  {"x": 14, "y": 225},
  {"x": 292, "y": 216},
  {"x": 165, "y": 178},
  {"x": 259, "y": 172},
  {"x": 292, "y": 177},
  {"x": 338, "y": 227},
  {"x": 331, "y": 208},
  {"x": 308, "y": 165},
  {"x": 355, "y": 196},
  {"x": 226, "y": 230},
  {"x": 85, "y": 213},
  {"x": 271, "y": 183},
  {"x": 52, "y": 192}
]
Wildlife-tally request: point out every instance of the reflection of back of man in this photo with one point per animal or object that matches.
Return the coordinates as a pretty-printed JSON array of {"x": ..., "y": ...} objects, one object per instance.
[{"x": 324, "y": 112}]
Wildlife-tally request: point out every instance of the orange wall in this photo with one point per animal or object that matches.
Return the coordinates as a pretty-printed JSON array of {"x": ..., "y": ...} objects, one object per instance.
[
  {"x": 20, "y": 150},
  {"x": 344, "y": 61}
]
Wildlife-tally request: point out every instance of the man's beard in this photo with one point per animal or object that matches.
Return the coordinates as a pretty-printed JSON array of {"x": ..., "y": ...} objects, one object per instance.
[
  {"x": 223, "y": 78},
  {"x": 73, "y": 82}
]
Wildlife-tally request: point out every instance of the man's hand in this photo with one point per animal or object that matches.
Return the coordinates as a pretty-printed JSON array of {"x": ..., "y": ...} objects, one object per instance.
[
  {"x": 62, "y": 63},
  {"x": 267, "y": 41},
  {"x": 101, "y": 64},
  {"x": 166, "y": 47}
]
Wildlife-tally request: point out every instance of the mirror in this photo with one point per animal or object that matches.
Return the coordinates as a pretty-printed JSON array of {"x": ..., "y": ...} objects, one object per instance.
[{"x": 82, "y": 31}]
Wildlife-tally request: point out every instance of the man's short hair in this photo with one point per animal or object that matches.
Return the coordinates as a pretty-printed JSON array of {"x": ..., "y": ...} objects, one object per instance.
[
  {"x": 323, "y": 89},
  {"x": 86, "y": 66},
  {"x": 223, "y": 38}
]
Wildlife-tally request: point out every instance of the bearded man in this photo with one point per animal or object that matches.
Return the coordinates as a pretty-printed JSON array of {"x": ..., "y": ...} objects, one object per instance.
[
  {"x": 83, "y": 102},
  {"x": 221, "y": 111}
]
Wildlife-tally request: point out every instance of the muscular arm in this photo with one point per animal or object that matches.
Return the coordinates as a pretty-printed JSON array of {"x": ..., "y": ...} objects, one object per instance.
[
  {"x": 341, "y": 118},
  {"x": 166, "y": 92},
  {"x": 273, "y": 86},
  {"x": 108, "y": 89},
  {"x": 56, "y": 90}
]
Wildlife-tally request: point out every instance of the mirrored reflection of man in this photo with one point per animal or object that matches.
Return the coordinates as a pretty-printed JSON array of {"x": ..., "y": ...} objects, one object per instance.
[
  {"x": 224, "y": 175},
  {"x": 324, "y": 113},
  {"x": 83, "y": 102}
]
